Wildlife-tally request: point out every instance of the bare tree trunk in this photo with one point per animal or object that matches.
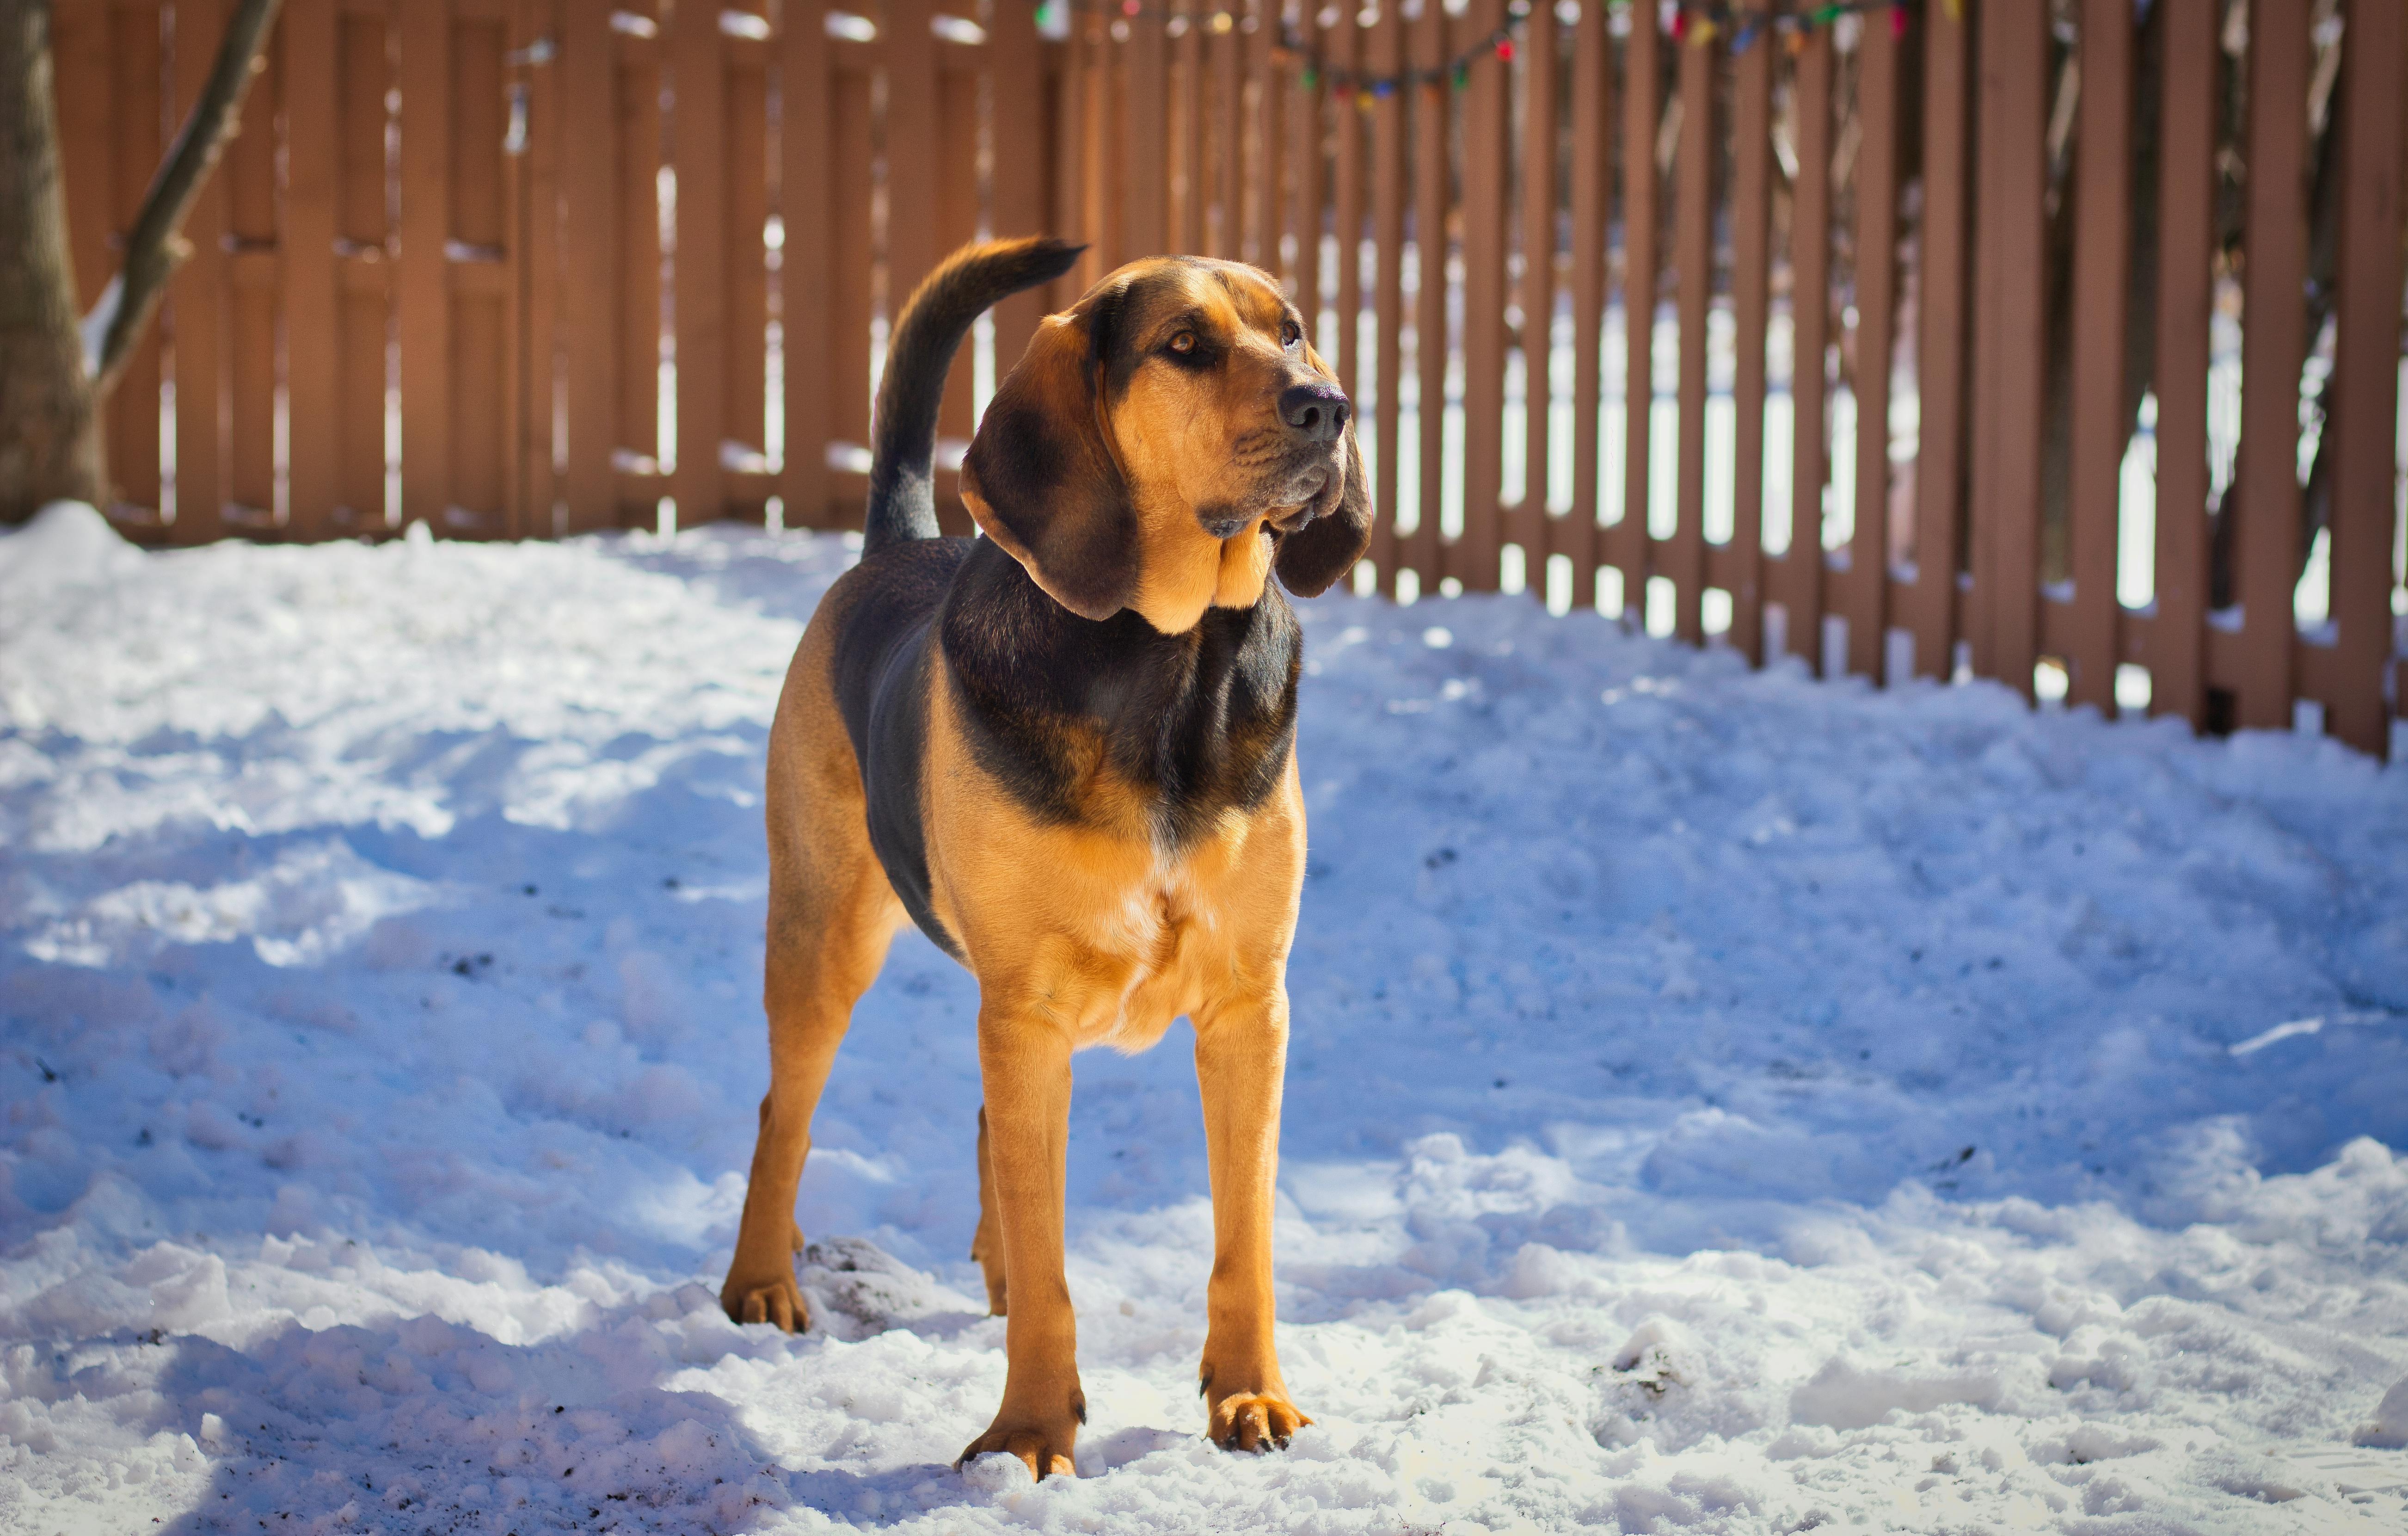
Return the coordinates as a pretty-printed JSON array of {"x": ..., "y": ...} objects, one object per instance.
[
  {"x": 49, "y": 390},
  {"x": 49, "y": 417}
]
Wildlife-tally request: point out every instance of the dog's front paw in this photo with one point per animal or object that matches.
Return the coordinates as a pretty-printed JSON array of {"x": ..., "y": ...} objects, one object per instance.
[
  {"x": 772, "y": 1298},
  {"x": 1255, "y": 1421},
  {"x": 1044, "y": 1442}
]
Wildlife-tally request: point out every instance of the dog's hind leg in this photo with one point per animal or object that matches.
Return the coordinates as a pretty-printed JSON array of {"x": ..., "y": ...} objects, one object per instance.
[{"x": 832, "y": 915}]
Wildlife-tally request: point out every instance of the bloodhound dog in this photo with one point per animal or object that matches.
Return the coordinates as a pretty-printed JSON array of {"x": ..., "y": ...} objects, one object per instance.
[{"x": 1066, "y": 752}]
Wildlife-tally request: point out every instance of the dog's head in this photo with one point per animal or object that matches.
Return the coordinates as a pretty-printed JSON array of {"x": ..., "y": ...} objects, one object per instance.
[{"x": 1168, "y": 442}]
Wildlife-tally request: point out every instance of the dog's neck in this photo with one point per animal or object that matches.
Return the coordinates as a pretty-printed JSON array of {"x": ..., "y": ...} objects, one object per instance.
[{"x": 1192, "y": 723}]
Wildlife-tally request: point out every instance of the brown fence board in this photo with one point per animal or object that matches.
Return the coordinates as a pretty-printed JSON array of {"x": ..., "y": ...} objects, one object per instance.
[
  {"x": 2265, "y": 494},
  {"x": 2102, "y": 256},
  {"x": 363, "y": 275},
  {"x": 639, "y": 156},
  {"x": 1424, "y": 553},
  {"x": 849, "y": 234},
  {"x": 697, "y": 138},
  {"x": 197, "y": 300},
  {"x": 477, "y": 262},
  {"x": 2008, "y": 347},
  {"x": 2365, "y": 385},
  {"x": 79, "y": 73},
  {"x": 2176, "y": 636},
  {"x": 535, "y": 146},
  {"x": 806, "y": 106},
  {"x": 592, "y": 349},
  {"x": 746, "y": 284},
  {"x": 1016, "y": 64},
  {"x": 421, "y": 275},
  {"x": 311, "y": 302},
  {"x": 1386, "y": 55},
  {"x": 1627, "y": 542},
  {"x": 1309, "y": 119},
  {"x": 1863, "y": 589},
  {"x": 1145, "y": 192},
  {"x": 1797, "y": 581},
  {"x": 137, "y": 143},
  {"x": 1268, "y": 160},
  {"x": 1929, "y": 606},
  {"x": 1529, "y": 524},
  {"x": 1189, "y": 100},
  {"x": 1349, "y": 174},
  {"x": 1226, "y": 119},
  {"x": 959, "y": 68},
  {"x": 248, "y": 174},
  {"x": 1592, "y": 207},
  {"x": 1751, "y": 216},
  {"x": 1684, "y": 559},
  {"x": 1486, "y": 101}
]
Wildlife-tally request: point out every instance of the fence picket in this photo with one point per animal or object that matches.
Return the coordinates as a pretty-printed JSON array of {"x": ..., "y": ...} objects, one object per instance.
[
  {"x": 194, "y": 319},
  {"x": 1592, "y": 207},
  {"x": 1424, "y": 553},
  {"x": 1349, "y": 174},
  {"x": 2008, "y": 360},
  {"x": 2365, "y": 385},
  {"x": 1683, "y": 556},
  {"x": 2175, "y": 653},
  {"x": 1486, "y": 100},
  {"x": 1751, "y": 296},
  {"x": 2264, "y": 501},
  {"x": 744, "y": 283},
  {"x": 313, "y": 307},
  {"x": 1863, "y": 588},
  {"x": 1016, "y": 60},
  {"x": 138, "y": 140},
  {"x": 1387, "y": 57},
  {"x": 2102, "y": 255},
  {"x": 1529, "y": 524},
  {"x": 1931, "y": 603},
  {"x": 1627, "y": 540},
  {"x": 1797, "y": 581}
]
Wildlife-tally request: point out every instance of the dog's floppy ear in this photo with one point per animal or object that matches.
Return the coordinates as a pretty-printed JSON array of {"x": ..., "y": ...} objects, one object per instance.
[
  {"x": 1326, "y": 547},
  {"x": 1042, "y": 482}
]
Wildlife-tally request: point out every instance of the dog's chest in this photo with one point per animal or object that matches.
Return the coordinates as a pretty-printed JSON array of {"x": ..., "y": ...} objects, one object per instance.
[{"x": 1130, "y": 960}]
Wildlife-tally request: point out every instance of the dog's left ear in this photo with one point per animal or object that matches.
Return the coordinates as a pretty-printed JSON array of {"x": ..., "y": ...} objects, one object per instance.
[
  {"x": 1041, "y": 480},
  {"x": 1327, "y": 547}
]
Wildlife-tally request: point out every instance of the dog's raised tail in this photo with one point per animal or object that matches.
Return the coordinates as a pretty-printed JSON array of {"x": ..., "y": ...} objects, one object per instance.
[{"x": 903, "y": 445}]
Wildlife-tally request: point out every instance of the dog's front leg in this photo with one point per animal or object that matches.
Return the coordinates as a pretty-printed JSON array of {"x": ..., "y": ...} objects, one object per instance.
[
  {"x": 1240, "y": 1057},
  {"x": 1024, "y": 1066}
]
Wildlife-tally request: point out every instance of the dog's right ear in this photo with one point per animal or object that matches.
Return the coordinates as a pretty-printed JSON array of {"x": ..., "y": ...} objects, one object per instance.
[{"x": 1042, "y": 482}]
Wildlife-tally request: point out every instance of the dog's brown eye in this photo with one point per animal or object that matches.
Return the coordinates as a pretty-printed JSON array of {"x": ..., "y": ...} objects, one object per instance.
[
  {"x": 1183, "y": 343},
  {"x": 1290, "y": 333}
]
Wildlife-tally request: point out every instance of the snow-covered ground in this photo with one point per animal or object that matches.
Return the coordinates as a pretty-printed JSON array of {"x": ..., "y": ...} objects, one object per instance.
[{"x": 1717, "y": 1100}]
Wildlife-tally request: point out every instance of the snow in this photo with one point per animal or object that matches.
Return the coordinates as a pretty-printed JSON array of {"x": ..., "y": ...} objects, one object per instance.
[{"x": 1718, "y": 1101}]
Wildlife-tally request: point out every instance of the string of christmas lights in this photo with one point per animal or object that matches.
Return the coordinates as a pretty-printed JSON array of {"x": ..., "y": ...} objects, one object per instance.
[{"x": 1693, "y": 22}]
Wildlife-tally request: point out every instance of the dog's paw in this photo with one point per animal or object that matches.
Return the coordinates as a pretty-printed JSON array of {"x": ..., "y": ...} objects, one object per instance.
[
  {"x": 1045, "y": 1452},
  {"x": 1255, "y": 1421},
  {"x": 771, "y": 1299}
]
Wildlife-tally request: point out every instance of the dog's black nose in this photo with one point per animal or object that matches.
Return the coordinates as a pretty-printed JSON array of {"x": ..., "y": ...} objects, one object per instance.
[{"x": 1318, "y": 411}]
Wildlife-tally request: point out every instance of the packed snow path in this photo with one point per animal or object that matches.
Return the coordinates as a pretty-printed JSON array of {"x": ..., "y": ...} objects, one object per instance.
[{"x": 1717, "y": 1100}]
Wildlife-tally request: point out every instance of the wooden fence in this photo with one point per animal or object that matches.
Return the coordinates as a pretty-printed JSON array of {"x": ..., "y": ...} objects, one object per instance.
[{"x": 530, "y": 267}]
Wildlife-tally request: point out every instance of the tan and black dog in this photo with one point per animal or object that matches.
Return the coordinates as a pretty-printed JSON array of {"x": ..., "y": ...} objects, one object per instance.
[{"x": 1066, "y": 752}]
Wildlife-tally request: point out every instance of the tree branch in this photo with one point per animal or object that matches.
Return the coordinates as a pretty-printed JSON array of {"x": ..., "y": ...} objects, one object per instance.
[{"x": 155, "y": 247}]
